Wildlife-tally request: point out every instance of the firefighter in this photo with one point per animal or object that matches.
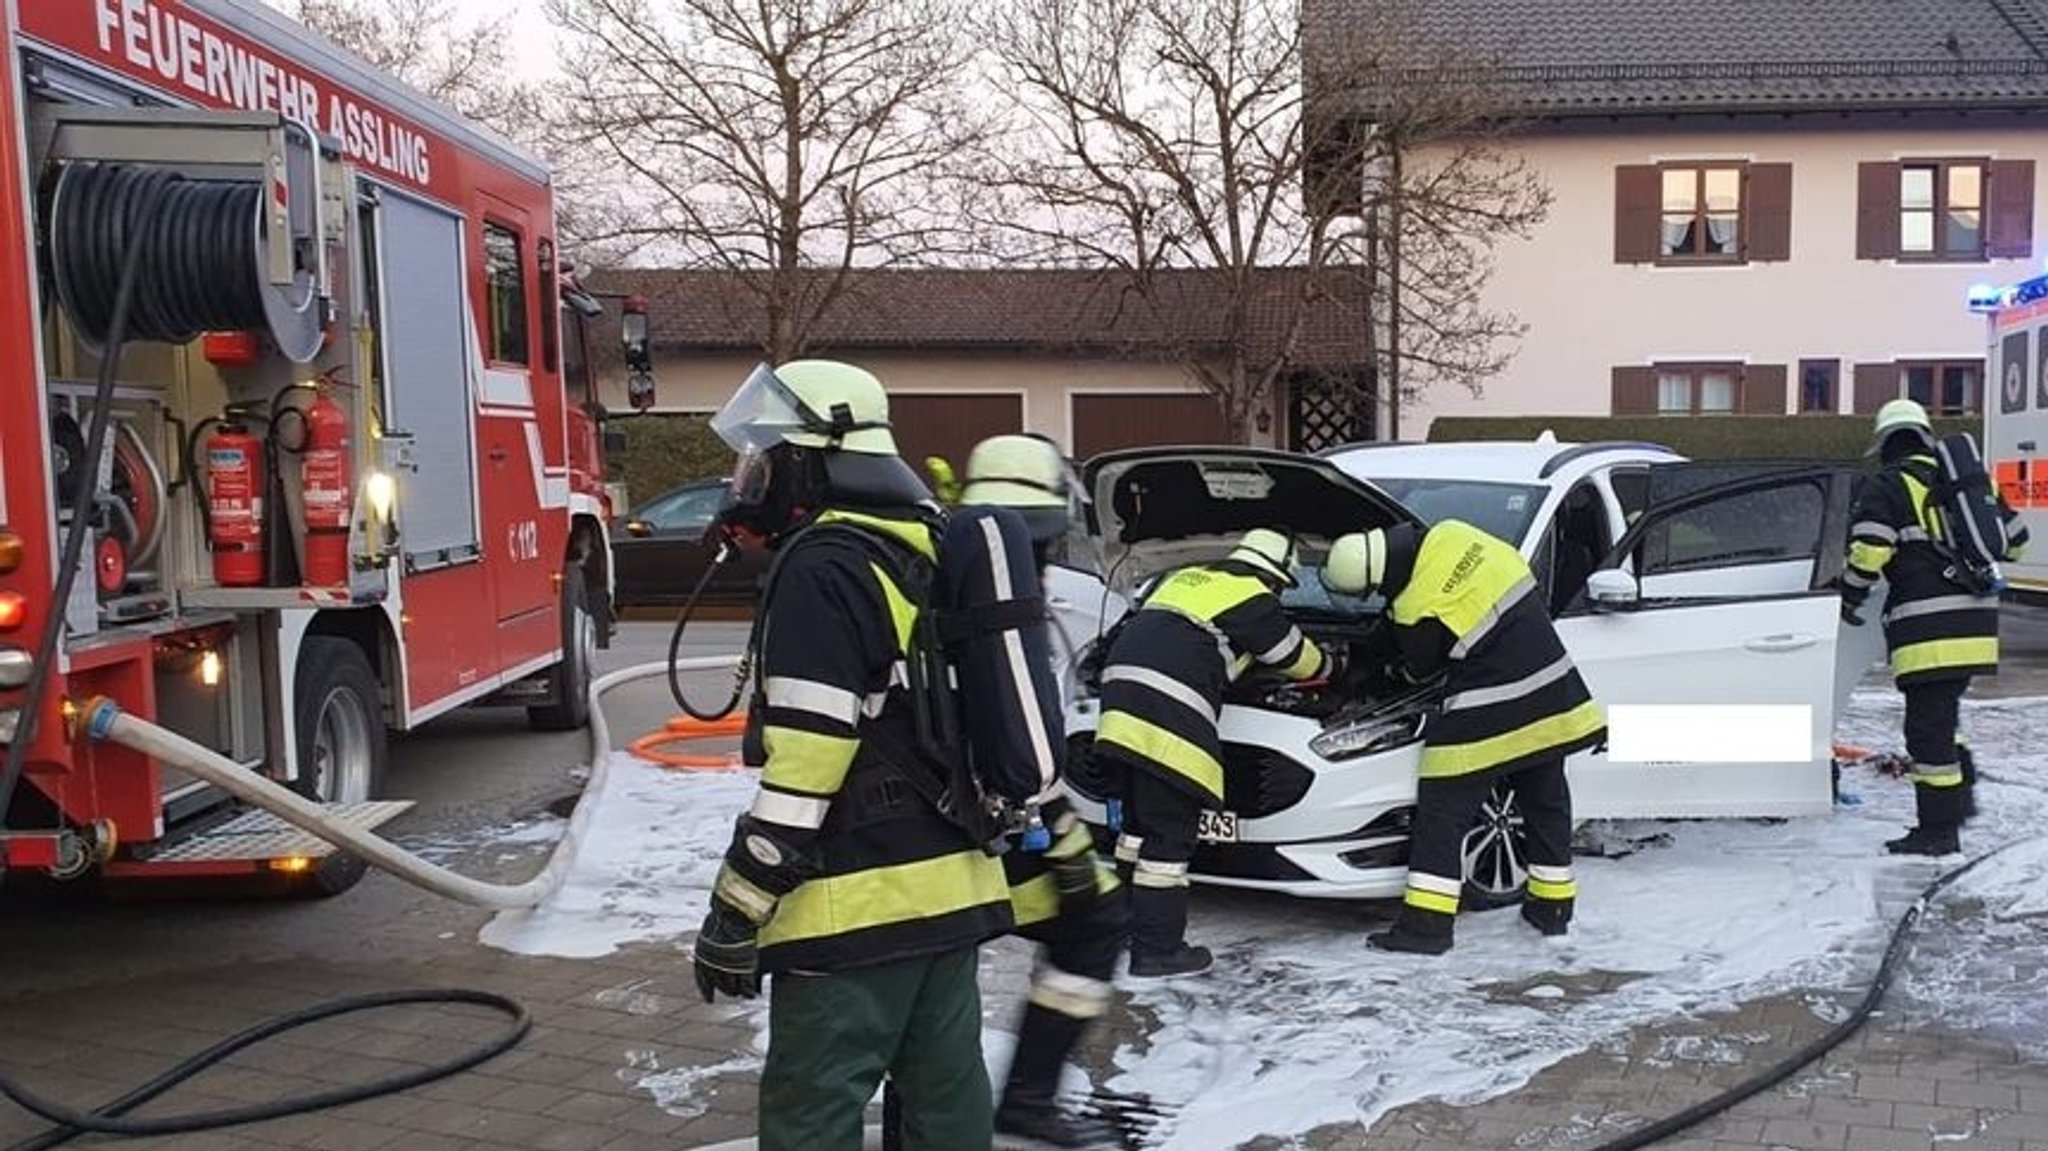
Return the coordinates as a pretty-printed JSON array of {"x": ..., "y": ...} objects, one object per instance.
[
  {"x": 1463, "y": 605},
  {"x": 1063, "y": 897},
  {"x": 1939, "y": 631},
  {"x": 860, "y": 896},
  {"x": 1195, "y": 632}
]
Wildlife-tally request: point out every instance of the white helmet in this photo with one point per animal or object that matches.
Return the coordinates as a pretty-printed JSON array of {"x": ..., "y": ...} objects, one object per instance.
[
  {"x": 1016, "y": 471},
  {"x": 1356, "y": 563},
  {"x": 1899, "y": 416},
  {"x": 811, "y": 404},
  {"x": 1268, "y": 551}
]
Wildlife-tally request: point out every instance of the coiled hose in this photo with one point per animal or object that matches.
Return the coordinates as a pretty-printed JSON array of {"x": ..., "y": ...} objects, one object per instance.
[{"x": 198, "y": 243}]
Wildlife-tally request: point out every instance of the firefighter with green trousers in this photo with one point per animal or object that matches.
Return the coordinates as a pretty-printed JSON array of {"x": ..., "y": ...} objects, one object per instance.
[
  {"x": 1940, "y": 631},
  {"x": 1190, "y": 637},
  {"x": 1464, "y": 605},
  {"x": 848, "y": 887}
]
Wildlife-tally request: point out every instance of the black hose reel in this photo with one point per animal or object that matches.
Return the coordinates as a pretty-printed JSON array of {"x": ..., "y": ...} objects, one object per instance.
[{"x": 203, "y": 265}]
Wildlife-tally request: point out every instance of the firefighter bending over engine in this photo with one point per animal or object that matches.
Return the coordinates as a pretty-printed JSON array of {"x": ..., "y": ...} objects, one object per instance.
[
  {"x": 1198, "y": 629},
  {"x": 1061, "y": 893},
  {"x": 1463, "y": 604},
  {"x": 859, "y": 895}
]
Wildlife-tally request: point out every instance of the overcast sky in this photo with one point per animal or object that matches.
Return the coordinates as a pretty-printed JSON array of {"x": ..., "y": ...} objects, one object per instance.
[{"x": 532, "y": 35}]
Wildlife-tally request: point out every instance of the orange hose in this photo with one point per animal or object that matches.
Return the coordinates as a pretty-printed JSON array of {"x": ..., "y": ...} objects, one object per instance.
[{"x": 686, "y": 729}]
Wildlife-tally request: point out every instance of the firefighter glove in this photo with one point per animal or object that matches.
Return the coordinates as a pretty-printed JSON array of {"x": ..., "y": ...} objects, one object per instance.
[
  {"x": 1071, "y": 859},
  {"x": 727, "y": 956}
]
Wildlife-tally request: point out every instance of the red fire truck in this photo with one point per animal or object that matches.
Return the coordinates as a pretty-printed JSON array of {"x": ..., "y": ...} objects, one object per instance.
[
  {"x": 291, "y": 371},
  {"x": 2016, "y": 418}
]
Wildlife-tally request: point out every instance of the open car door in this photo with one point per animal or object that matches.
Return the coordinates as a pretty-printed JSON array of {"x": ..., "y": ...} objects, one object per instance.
[{"x": 1711, "y": 636}]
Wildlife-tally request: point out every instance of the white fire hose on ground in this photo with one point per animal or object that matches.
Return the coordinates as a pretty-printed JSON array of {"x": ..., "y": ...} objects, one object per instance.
[{"x": 105, "y": 720}]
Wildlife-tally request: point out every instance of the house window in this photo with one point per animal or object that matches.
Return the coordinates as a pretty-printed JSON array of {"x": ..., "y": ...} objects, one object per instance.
[
  {"x": 1701, "y": 391},
  {"x": 1702, "y": 213},
  {"x": 1818, "y": 385},
  {"x": 1941, "y": 210},
  {"x": 1945, "y": 387},
  {"x": 505, "y": 295}
]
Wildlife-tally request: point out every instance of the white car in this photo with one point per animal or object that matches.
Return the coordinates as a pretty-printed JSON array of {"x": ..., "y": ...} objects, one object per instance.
[{"x": 1710, "y": 634}]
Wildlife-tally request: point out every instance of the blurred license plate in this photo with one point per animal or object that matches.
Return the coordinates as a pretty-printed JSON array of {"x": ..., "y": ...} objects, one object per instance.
[{"x": 1217, "y": 827}]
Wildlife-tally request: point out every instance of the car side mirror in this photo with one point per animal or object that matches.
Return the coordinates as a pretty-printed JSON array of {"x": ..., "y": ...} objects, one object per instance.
[
  {"x": 639, "y": 528},
  {"x": 1611, "y": 589}
]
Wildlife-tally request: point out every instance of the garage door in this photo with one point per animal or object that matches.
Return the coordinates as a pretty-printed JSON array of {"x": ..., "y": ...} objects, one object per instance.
[
  {"x": 950, "y": 424},
  {"x": 1105, "y": 423}
]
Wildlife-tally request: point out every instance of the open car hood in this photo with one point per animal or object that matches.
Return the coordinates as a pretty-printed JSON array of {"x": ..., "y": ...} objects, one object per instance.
[{"x": 1159, "y": 508}]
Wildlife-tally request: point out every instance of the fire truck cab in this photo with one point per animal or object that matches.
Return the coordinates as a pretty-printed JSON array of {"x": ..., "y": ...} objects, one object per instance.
[
  {"x": 290, "y": 363},
  {"x": 2016, "y": 418}
]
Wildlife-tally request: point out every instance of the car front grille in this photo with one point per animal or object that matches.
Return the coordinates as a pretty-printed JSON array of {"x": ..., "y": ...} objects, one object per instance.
[{"x": 1259, "y": 781}]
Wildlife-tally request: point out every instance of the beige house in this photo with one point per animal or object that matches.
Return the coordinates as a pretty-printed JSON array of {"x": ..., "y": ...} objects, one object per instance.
[
  {"x": 972, "y": 353},
  {"x": 1761, "y": 206}
]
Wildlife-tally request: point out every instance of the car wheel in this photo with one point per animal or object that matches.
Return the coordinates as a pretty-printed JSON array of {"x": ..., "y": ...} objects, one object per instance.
[
  {"x": 341, "y": 744},
  {"x": 1496, "y": 854},
  {"x": 570, "y": 709}
]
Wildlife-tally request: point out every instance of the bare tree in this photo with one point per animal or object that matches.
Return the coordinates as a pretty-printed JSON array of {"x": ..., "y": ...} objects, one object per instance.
[
  {"x": 1186, "y": 137},
  {"x": 1443, "y": 187},
  {"x": 461, "y": 64},
  {"x": 787, "y": 143}
]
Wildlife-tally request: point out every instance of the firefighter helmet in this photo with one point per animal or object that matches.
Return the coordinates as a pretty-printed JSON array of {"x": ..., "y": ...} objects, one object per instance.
[
  {"x": 1023, "y": 472},
  {"x": 820, "y": 404},
  {"x": 1269, "y": 551},
  {"x": 1357, "y": 563},
  {"x": 1900, "y": 416}
]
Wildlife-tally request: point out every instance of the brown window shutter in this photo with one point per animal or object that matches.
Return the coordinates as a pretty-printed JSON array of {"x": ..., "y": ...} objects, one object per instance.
[
  {"x": 1763, "y": 390},
  {"x": 1635, "y": 392},
  {"x": 1877, "y": 211},
  {"x": 1875, "y": 384},
  {"x": 1638, "y": 200},
  {"x": 2009, "y": 233},
  {"x": 1770, "y": 211}
]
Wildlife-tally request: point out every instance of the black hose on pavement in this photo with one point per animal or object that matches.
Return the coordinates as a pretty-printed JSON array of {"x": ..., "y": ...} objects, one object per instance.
[
  {"x": 107, "y": 1119},
  {"x": 1785, "y": 1068}
]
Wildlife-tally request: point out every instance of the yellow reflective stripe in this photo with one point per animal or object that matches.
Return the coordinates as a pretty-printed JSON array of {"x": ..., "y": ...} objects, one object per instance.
[
  {"x": 1309, "y": 662},
  {"x": 1430, "y": 901},
  {"x": 1072, "y": 842},
  {"x": 880, "y": 896},
  {"x": 1156, "y": 874},
  {"x": 1552, "y": 889},
  {"x": 1074, "y": 996},
  {"x": 1127, "y": 847},
  {"x": 1930, "y": 655},
  {"x": 1439, "y": 762},
  {"x": 902, "y": 613},
  {"x": 1945, "y": 775},
  {"x": 1869, "y": 557},
  {"x": 805, "y": 761},
  {"x": 743, "y": 893},
  {"x": 911, "y": 533},
  {"x": 1035, "y": 900},
  {"x": 1162, "y": 747}
]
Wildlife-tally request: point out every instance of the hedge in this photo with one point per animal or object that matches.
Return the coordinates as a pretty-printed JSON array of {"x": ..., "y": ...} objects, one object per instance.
[
  {"x": 1699, "y": 438},
  {"x": 663, "y": 451}
]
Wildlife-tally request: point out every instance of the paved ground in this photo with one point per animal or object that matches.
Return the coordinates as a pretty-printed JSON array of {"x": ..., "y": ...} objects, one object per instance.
[{"x": 96, "y": 997}]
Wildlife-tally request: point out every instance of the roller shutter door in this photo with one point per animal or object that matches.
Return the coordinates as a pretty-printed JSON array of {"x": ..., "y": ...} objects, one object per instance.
[
  {"x": 1107, "y": 422},
  {"x": 950, "y": 424}
]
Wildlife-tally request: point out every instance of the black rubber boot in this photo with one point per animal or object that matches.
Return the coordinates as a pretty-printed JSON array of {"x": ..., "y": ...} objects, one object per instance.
[
  {"x": 1925, "y": 841},
  {"x": 1041, "y": 1124},
  {"x": 1416, "y": 932},
  {"x": 1159, "y": 923},
  {"x": 1969, "y": 766},
  {"x": 1552, "y": 917}
]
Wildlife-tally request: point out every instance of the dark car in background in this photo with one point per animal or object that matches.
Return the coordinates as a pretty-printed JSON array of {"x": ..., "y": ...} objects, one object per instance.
[{"x": 660, "y": 551}]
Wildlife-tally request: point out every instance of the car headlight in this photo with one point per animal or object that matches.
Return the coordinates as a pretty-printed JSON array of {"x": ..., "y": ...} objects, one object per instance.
[{"x": 1350, "y": 740}]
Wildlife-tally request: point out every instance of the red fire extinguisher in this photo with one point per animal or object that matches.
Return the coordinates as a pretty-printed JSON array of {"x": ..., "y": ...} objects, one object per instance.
[
  {"x": 328, "y": 490},
  {"x": 234, "y": 504}
]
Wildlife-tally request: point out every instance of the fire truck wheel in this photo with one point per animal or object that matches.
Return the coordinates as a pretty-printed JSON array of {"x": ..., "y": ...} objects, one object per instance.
[
  {"x": 341, "y": 744},
  {"x": 570, "y": 708}
]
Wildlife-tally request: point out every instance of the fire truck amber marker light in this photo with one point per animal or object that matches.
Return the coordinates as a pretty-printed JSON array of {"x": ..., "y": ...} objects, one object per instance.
[
  {"x": 11, "y": 552},
  {"x": 13, "y": 609}
]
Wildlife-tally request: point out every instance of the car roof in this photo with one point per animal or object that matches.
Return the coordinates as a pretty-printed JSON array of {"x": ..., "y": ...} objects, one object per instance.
[{"x": 1541, "y": 461}]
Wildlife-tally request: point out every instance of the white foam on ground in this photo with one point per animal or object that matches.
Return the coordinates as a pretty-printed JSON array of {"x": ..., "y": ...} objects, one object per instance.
[{"x": 1301, "y": 1025}]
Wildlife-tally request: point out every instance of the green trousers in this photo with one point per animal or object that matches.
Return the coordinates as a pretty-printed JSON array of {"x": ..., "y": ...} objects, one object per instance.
[{"x": 832, "y": 1037}]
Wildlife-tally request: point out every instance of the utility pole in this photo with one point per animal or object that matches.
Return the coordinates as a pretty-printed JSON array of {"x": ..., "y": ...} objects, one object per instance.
[{"x": 1393, "y": 238}]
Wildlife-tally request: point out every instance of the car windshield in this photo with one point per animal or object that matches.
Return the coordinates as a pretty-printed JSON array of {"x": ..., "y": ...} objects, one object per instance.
[{"x": 1503, "y": 511}]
